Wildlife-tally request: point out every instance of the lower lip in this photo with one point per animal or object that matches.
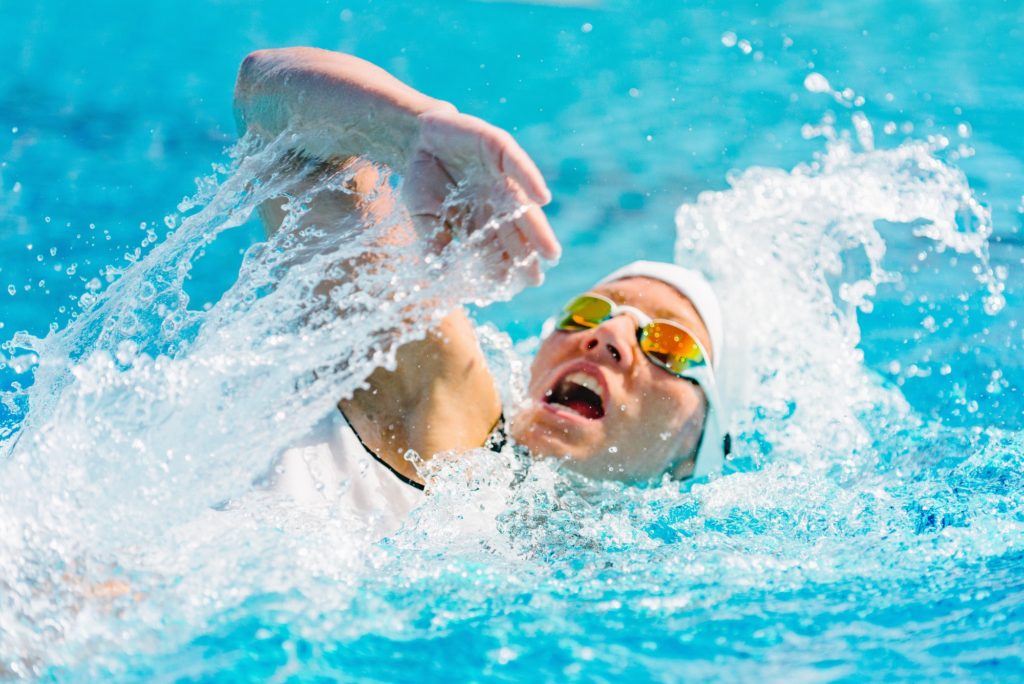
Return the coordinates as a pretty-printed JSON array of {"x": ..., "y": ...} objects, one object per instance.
[{"x": 565, "y": 414}]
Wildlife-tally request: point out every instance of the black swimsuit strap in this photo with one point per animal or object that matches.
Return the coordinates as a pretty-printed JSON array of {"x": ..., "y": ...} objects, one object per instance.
[
  {"x": 498, "y": 438},
  {"x": 378, "y": 459},
  {"x": 496, "y": 441}
]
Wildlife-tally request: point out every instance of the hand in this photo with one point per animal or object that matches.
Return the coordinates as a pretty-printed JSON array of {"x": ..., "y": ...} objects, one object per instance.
[{"x": 493, "y": 175}]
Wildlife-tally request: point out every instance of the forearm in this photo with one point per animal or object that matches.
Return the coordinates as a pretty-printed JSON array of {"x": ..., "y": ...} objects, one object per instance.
[{"x": 340, "y": 106}]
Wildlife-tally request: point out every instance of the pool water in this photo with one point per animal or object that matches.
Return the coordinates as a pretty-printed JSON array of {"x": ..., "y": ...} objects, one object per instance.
[{"x": 850, "y": 178}]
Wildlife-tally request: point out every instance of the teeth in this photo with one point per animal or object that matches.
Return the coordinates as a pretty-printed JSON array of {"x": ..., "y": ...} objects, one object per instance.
[{"x": 586, "y": 380}]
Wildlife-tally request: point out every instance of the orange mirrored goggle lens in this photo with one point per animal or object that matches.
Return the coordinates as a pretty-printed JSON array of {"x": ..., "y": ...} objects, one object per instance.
[{"x": 671, "y": 347}]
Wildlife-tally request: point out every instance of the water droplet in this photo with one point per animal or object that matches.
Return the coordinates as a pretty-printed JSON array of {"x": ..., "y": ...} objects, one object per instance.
[
  {"x": 11, "y": 290},
  {"x": 816, "y": 83},
  {"x": 587, "y": 27},
  {"x": 865, "y": 136},
  {"x": 613, "y": 450},
  {"x": 505, "y": 655},
  {"x": 995, "y": 386},
  {"x": 147, "y": 292},
  {"x": 994, "y": 303},
  {"x": 729, "y": 39}
]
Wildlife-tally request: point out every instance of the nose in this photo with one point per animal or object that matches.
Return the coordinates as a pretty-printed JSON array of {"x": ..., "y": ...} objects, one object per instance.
[{"x": 613, "y": 340}]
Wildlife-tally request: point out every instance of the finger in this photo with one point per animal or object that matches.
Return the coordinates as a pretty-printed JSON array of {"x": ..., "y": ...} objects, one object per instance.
[
  {"x": 535, "y": 227},
  {"x": 514, "y": 244},
  {"x": 433, "y": 231},
  {"x": 522, "y": 256},
  {"x": 426, "y": 185},
  {"x": 507, "y": 158},
  {"x": 534, "y": 273}
]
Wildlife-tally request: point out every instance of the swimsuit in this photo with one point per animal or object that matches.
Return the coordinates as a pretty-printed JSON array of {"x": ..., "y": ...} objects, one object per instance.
[{"x": 331, "y": 467}]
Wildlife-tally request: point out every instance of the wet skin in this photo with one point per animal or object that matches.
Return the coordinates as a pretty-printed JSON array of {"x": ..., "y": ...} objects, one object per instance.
[{"x": 649, "y": 421}]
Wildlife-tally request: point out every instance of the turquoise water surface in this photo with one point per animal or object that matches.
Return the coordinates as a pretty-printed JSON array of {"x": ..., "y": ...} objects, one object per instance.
[{"x": 852, "y": 179}]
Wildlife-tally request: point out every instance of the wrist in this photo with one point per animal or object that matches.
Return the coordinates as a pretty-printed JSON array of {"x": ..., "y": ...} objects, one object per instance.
[{"x": 411, "y": 136}]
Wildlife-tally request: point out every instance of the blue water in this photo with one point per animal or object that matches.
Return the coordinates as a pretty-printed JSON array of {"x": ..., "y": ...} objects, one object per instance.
[{"x": 867, "y": 242}]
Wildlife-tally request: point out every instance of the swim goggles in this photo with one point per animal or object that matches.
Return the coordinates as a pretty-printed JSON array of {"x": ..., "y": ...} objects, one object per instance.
[{"x": 669, "y": 346}]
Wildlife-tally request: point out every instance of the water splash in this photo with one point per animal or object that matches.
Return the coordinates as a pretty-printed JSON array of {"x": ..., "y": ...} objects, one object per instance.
[
  {"x": 813, "y": 238},
  {"x": 143, "y": 413},
  {"x": 841, "y": 508}
]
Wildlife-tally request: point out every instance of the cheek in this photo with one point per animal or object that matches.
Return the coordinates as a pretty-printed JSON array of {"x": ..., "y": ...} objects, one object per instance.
[
  {"x": 668, "y": 407},
  {"x": 551, "y": 351},
  {"x": 538, "y": 369}
]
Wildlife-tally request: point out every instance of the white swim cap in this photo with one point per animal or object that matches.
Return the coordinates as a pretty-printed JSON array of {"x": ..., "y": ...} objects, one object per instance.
[{"x": 693, "y": 285}]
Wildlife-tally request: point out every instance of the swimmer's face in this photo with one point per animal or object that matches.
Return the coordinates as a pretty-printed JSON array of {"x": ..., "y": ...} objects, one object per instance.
[{"x": 597, "y": 401}]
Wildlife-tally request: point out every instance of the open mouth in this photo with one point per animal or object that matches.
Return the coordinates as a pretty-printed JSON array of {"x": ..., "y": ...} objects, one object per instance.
[{"x": 580, "y": 393}]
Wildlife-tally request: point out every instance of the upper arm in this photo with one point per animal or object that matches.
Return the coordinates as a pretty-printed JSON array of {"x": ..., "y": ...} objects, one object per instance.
[{"x": 441, "y": 395}]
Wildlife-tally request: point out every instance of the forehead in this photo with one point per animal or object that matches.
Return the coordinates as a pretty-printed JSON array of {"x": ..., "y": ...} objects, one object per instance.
[{"x": 657, "y": 300}]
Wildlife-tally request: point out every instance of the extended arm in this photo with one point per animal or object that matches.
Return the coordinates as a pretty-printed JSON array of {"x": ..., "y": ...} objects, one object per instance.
[
  {"x": 441, "y": 396},
  {"x": 340, "y": 106},
  {"x": 354, "y": 108}
]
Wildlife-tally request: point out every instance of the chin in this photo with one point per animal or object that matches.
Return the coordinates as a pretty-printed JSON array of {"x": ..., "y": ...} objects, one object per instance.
[
  {"x": 598, "y": 469},
  {"x": 532, "y": 429},
  {"x": 544, "y": 441},
  {"x": 581, "y": 445}
]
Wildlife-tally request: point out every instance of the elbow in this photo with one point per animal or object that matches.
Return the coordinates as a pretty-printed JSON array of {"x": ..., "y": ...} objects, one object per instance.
[
  {"x": 254, "y": 63},
  {"x": 260, "y": 66},
  {"x": 253, "y": 70},
  {"x": 263, "y": 82},
  {"x": 243, "y": 88}
]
